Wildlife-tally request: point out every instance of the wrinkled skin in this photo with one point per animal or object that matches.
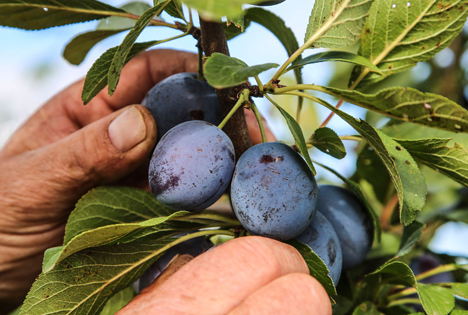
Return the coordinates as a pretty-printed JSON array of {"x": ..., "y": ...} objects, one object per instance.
[
  {"x": 191, "y": 166},
  {"x": 349, "y": 218},
  {"x": 273, "y": 191},
  {"x": 247, "y": 275},
  {"x": 322, "y": 238},
  {"x": 182, "y": 97},
  {"x": 193, "y": 247}
]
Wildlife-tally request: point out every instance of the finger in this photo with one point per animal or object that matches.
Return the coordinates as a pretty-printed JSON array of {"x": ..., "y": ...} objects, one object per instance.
[
  {"x": 219, "y": 280},
  {"x": 102, "y": 152},
  {"x": 299, "y": 294},
  {"x": 254, "y": 130},
  {"x": 65, "y": 113}
]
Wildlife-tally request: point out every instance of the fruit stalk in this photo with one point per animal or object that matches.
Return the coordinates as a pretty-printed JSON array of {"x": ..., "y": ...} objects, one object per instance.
[{"x": 214, "y": 40}]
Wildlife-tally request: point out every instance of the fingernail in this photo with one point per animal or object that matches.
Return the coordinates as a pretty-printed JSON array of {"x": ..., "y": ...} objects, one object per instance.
[{"x": 127, "y": 130}]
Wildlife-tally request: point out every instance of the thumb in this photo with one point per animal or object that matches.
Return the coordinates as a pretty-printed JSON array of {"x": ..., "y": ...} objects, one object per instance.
[
  {"x": 105, "y": 150},
  {"x": 100, "y": 153}
]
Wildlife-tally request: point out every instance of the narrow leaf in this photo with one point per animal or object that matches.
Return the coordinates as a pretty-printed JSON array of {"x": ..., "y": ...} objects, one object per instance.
[
  {"x": 96, "y": 78},
  {"x": 342, "y": 56},
  {"x": 77, "y": 49},
  {"x": 408, "y": 180},
  {"x": 174, "y": 8},
  {"x": 40, "y": 14},
  {"x": 107, "y": 205},
  {"x": 125, "y": 49},
  {"x": 411, "y": 105},
  {"x": 450, "y": 161},
  {"x": 317, "y": 267},
  {"x": 336, "y": 23},
  {"x": 327, "y": 141},
  {"x": 358, "y": 191},
  {"x": 415, "y": 30},
  {"x": 222, "y": 71},
  {"x": 298, "y": 136},
  {"x": 411, "y": 235}
]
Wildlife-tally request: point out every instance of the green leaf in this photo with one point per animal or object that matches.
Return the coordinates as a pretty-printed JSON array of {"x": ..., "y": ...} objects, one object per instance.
[
  {"x": 77, "y": 49},
  {"x": 40, "y": 14},
  {"x": 366, "y": 308},
  {"x": 115, "y": 234},
  {"x": 336, "y": 23},
  {"x": 358, "y": 191},
  {"x": 408, "y": 180},
  {"x": 121, "y": 23},
  {"x": 342, "y": 56},
  {"x": 96, "y": 78},
  {"x": 51, "y": 256},
  {"x": 174, "y": 8},
  {"x": 460, "y": 289},
  {"x": 395, "y": 272},
  {"x": 411, "y": 235},
  {"x": 222, "y": 71},
  {"x": 107, "y": 205},
  {"x": 277, "y": 27},
  {"x": 450, "y": 161},
  {"x": 296, "y": 131},
  {"x": 317, "y": 267},
  {"x": 327, "y": 141},
  {"x": 235, "y": 27},
  {"x": 118, "y": 301},
  {"x": 216, "y": 9},
  {"x": 436, "y": 300},
  {"x": 82, "y": 283},
  {"x": 123, "y": 52},
  {"x": 414, "y": 30},
  {"x": 411, "y": 105}
]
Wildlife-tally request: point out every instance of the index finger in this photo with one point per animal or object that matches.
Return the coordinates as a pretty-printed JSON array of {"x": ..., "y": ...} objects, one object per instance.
[{"x": 219, "y": 280}]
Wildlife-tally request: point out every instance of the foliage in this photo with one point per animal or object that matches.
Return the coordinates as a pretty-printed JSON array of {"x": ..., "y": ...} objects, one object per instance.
[{"x": 84, "y": 277}]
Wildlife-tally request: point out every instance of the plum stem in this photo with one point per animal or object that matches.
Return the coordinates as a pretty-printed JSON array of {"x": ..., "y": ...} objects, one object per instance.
[
  {"x": 400, "y": 294},
  {"x": 259, "y": 121},
  {"x": 440, "y": 269},
  {"x": 244, "y": 97},
  {"x": 404, "y": 301},
  {"x": 213, "y": 39}
]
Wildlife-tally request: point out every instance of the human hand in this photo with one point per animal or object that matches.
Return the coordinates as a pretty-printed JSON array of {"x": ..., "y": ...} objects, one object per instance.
[
  {"x": 64, "y": 150},
  {"x": 248, "y": 275}
]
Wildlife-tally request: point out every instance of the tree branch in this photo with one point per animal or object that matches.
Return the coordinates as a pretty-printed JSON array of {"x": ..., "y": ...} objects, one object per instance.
[{"x": 213, "y": 40}]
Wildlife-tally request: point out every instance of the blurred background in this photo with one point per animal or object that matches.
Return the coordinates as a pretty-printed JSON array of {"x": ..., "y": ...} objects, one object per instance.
[{"x": 32, "y": 70}]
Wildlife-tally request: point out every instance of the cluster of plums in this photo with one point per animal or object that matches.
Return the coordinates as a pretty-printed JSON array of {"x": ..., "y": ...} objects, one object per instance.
[{"x": 273, "y": 191}]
